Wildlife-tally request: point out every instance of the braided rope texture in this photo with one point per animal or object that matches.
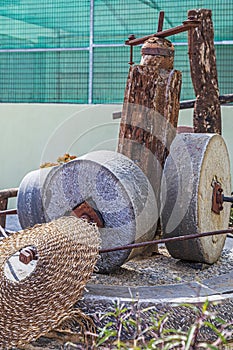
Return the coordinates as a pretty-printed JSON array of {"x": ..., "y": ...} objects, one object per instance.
[{"x": 68, "y": 249}]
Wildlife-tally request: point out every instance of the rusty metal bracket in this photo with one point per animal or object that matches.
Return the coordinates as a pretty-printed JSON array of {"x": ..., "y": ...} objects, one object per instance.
[
  {"x": 217, "y": 196},
  {"x": 157, "y": 51},
  {"x": 191, "y": 22},
  {"x": 85, "y": 211}
]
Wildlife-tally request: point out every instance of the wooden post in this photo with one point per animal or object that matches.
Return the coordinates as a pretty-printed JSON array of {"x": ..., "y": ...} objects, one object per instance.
[
  {"x": 207, "y": 112},
  {"x": 150, "y": 110},
  {"x": 3, "y": 206}
]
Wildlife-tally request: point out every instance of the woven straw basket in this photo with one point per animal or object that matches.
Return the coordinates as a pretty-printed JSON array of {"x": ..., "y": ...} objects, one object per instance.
[{"x": 68, "y": 250}]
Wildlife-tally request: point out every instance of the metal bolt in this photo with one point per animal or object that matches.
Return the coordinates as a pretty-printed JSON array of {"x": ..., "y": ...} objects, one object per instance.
[
  {"x": 27, "y": 255},
  {"x": 131, "y": 37}
]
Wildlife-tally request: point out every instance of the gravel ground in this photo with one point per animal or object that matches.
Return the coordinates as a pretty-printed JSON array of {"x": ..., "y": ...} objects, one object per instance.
[{"x": 162, "y": 269}]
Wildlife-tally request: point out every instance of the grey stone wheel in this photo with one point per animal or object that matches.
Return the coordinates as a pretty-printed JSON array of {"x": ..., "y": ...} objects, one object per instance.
[
  {"x": 110, "y": 183},
  {"x": 29, "y": 200},
  {"x": 194, "y": 161}
]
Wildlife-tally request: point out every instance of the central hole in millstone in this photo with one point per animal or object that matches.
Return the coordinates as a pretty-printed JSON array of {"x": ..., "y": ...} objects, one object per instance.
[{"x": 86, "y": 211}]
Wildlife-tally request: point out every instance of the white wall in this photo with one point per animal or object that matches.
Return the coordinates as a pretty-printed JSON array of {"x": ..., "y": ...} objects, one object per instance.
[{"x": 32, "y": 134}]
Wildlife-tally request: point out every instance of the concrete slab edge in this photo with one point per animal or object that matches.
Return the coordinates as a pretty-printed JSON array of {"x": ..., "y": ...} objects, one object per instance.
[{"x": 215, "y": 289}]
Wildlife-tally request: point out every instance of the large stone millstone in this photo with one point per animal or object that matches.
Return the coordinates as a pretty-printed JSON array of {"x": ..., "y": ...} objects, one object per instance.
[
  {"x": 194, "y": 161},
  {"x": 29, "y": 201},
  {"x": 110, "y": 183}
]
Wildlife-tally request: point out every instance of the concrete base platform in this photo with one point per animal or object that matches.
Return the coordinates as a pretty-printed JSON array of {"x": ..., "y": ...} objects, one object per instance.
[{"x": 156, "y": 301}]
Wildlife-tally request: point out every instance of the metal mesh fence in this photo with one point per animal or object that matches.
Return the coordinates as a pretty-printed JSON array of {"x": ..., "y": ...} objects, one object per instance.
[{"x": 57, "y": 51}]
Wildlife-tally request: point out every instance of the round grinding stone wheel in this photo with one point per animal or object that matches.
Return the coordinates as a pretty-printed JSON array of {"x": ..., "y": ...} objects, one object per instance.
[
  {"x": 30, "y": 208},
  {"x": 111, "y": 184},
  {"x": 194, "y": 161}
]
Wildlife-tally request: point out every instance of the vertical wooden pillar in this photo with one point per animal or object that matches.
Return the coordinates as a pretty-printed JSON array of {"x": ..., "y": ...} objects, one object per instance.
[
  {"x": 207, "y": 112},
  {"x": 150, "y": 110}
]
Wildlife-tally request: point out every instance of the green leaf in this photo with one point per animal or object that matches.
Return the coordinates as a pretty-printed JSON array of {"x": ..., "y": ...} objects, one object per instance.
[
  {"x": 106, "y": 337},
  {"x": 190, "y": 336},
  {"x": 216, "y": 331}
]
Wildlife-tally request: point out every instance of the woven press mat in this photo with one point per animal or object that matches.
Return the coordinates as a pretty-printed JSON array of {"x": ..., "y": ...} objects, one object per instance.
[{"x": 67, "y": 251}]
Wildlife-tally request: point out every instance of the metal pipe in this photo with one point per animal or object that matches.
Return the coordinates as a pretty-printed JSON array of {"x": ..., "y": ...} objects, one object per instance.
[
  {"x": 8, "y": 212},
  {"x": 227, "y": 199},
  {"x": 165, "y": 240},
  {"x": 223, "y": 99}
]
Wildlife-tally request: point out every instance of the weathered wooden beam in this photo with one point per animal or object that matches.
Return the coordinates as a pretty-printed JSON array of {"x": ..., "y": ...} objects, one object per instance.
[
  {"x": 8, "y": 193},
  {"x": 3, "y": 206},
  {"x": 150, "y": 110},
  {"x": 207, "y": 112}
]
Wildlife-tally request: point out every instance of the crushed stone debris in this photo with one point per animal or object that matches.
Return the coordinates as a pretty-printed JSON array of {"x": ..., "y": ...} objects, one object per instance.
[{"x": 162, "y": 269}]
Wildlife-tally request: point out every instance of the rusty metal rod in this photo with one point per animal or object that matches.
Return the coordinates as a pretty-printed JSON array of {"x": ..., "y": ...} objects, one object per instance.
[
  {"x": 8, "y": 212},
  {"x": 165, "y": 240},
  {"x": 223, "y": 99},
  {"x": 187, "y": 104},
  {"x": 227, "y": 199},
  {"x": 164, "y": 33},
  {"x": 161, "y": 20},
  {"x": 228, "y": 98}
]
